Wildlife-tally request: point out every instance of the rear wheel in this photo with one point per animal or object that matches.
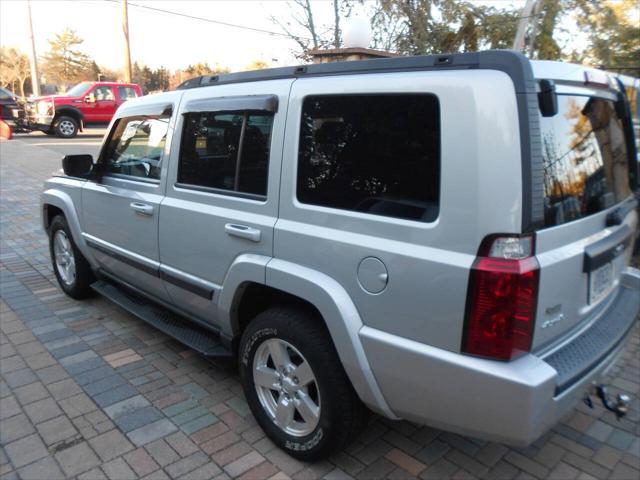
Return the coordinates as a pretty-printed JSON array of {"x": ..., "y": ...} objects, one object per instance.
[
  {"x": 295, "y": 384},
  {"x": 72, "y": 270},
  {"x": 65, "y": 127}
]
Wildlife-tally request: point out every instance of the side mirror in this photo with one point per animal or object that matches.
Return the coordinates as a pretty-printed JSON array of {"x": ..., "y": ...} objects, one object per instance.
[
  {"x": 547, "y": 98},
  {"x": 91, "y": 98},
  {"x": 77, "y": 165}
]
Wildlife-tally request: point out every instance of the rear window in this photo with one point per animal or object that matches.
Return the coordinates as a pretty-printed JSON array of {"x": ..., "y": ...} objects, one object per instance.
[
  {"x": 375, "y": 154},
  {"x": 126, "y": 93},
  {"x": 586, "y": 168}
]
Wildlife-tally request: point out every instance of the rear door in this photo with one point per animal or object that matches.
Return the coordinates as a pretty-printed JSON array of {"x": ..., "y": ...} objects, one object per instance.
[
  {"x": 222, "y": 192},
  {"x": 120, "y": 210},
  {"x": 590, "y": 219}
]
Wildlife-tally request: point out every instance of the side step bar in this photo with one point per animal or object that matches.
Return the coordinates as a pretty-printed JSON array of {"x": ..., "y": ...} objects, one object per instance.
[{"x": 203, "y": 341}]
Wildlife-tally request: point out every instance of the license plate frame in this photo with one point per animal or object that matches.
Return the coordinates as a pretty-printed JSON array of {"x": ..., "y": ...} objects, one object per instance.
[{"x": 601, "y": 282}]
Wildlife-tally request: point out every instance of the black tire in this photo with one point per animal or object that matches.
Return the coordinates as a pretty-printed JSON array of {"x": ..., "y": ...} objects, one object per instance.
[
  {"x": 65, "y": 127},
  {"x": 79, "y": 287},
  {"x": 342, "y": 414}
]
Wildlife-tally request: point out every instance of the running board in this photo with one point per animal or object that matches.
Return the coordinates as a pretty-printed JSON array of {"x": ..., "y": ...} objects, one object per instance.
[{"x": 203, "y": 341}]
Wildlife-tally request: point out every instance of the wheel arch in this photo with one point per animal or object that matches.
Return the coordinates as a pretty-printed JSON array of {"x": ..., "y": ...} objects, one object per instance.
[
  {"x": 55, "y": 202},
  {"x": 254, "y": 281},
  {"x": 70, "y": 111}
]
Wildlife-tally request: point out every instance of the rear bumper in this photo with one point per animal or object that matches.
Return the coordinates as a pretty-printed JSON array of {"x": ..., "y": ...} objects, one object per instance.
[{"x": 512, "y": 402}]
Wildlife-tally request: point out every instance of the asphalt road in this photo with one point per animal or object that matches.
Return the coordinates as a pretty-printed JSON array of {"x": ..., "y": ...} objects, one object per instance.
[{"x": 88, "y": 141}]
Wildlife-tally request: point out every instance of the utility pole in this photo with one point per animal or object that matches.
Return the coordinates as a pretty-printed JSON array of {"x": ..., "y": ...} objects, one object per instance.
[
  {"x": 534, "y": 27},
  {"x": 127, "y": 51},
  {"x": 35, "y": 79},
  {"x": 525, "y": 18}
]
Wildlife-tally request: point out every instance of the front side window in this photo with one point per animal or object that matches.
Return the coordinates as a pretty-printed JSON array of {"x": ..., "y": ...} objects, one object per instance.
[
  {"x": 586, "y": 167},
  {"x": 103, "y": 93},
  {"x": 376, "y": 154},
  {"x": 226, "y": 151},
  {"x": 126, "y": 93},
  {"x": 136, "y": 147}
]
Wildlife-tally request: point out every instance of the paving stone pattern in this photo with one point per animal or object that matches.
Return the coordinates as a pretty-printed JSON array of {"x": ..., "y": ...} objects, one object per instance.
[{"x": 89, "y": 392}]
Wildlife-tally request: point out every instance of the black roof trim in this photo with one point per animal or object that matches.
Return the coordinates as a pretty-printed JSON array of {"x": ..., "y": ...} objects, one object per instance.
[{"x": 506, "y": 60}]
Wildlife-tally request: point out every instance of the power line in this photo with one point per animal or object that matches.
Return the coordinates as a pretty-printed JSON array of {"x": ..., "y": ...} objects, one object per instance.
[
  {"x": 209, "y": 20},
  {"x": 488, "y": 22}
]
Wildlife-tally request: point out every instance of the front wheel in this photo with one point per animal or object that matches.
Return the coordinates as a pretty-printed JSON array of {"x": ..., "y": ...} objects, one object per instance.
[
  {"x": 72, "y": 270},
  {"x": 65, "y": 127},
  {"x": 295, "y": 384}
]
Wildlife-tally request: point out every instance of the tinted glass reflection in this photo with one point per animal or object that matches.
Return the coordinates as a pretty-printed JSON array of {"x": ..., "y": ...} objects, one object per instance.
[{"x": 585, "y": 159}]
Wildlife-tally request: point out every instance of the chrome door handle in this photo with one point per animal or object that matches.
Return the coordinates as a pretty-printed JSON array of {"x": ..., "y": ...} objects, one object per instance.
[
  {"x": 243, "y": 231},
  {"x": 141, "y": 208}
]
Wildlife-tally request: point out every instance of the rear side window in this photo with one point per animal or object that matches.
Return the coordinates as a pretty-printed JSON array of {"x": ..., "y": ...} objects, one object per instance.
[
  {"x": 376, "y": 154},
  {"x": 136, "y": 146},
  {"x": 586, "y": 167},
  {"x": 126, "y": 93},
  {"x": 227, "y": 151}
]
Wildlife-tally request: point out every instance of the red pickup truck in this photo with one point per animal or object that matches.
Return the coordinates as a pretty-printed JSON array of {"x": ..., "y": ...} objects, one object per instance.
[{"x": 87, "y": 102}]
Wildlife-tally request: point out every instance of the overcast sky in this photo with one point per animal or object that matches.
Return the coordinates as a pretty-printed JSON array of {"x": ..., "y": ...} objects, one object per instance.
[{"x": 160, "y": 39}]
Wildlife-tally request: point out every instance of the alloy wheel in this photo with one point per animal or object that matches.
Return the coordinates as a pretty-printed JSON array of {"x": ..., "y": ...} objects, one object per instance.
[
  {"x": 64, "y": 259},
  {"x": 67, "y": 127},
  {"x": 286, "y": 387}
]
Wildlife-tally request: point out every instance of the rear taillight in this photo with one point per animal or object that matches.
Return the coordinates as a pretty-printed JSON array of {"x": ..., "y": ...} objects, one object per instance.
[{"x": 502, "y": 298}]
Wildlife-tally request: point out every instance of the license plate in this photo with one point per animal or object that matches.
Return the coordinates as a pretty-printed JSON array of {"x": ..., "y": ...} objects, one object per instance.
[{"x": 600, "y": 282}]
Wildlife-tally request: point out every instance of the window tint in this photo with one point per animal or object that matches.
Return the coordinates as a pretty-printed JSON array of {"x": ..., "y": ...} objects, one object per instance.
[
  {"x": 126, "y": 93},
  {"x": 103, "y": 93},
  {"x": 136, "y": 147},
  {"x": 585, "y": 159},
  {"x": 377, "y": 154},
  {"x": 228, "y": 151}
]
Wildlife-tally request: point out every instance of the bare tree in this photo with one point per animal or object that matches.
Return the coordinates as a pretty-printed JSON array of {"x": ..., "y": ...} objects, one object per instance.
[
  {"x": 14, "y": 68},
  {"x": 302, "y": 28}
]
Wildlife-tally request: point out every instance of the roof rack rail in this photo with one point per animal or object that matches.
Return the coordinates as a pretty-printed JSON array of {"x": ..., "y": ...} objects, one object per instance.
[{"x": 512, "y": 63}]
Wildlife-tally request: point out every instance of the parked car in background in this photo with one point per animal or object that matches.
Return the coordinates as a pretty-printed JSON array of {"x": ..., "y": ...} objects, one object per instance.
[
  {"x": 11, "y": 108},
  {"x": 86, "y": 103},
  {"x": 327, "y": 226}
]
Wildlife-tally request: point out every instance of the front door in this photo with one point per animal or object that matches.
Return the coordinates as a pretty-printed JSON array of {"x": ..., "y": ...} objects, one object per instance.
[
  {"x": 104, "y": 107},
  {"x": 120, "y": 210}
]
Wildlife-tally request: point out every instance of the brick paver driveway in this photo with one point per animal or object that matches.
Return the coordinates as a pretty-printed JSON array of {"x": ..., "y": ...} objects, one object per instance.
[{"x": 87, "y": 390}]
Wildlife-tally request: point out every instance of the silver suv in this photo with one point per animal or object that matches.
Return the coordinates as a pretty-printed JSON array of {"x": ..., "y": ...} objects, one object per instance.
[{"x": 443, "y": 239}]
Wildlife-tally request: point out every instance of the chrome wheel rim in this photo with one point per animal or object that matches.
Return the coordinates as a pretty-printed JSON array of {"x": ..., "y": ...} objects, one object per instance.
[
  {"x": 286, "y": 387},
  {"x": 67, "y": 127},
  {"x": 64, "y": 259}
]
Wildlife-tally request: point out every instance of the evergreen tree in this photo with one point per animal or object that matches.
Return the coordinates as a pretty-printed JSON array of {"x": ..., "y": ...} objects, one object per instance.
[{"x": 64, "y": 63}]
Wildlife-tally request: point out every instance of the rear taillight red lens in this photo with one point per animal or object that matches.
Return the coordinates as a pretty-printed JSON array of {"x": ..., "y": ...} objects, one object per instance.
[{"x": 501, "y": 302}]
